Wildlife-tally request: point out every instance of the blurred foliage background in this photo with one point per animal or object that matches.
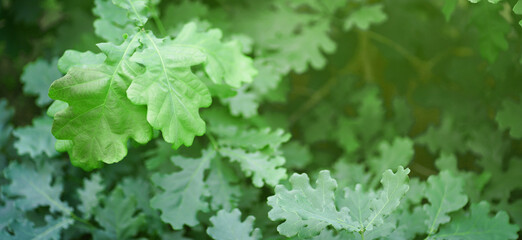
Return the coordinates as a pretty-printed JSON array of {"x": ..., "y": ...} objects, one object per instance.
[{"x": 438, "y": 76}]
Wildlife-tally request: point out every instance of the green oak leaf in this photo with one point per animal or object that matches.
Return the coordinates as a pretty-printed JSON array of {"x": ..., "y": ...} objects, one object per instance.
[
  {"x": 172, "y": 93},
  {"x": 100, "y": 119},
  {"x": 220, "y": 181},
  {"x": 398, "y": 153},
  {"x": 89, "y": 195},
  {"x": 182, "y": 192},
  {"x": 118, "y": 217},
  {"x": 24, "y": 229},
  {"x": 478, "y": 225},
  {"x": 263, "y": 168},
  {"x": 444, "y": 193},
  {"x": 225, "y": 63},
  {"x": 36, "y": 139},
  {"x": 365, "y": 16},
  {"x": 228, "y": 226},
  {"x": 307, "y": 211},
  {"x": 35, "y": 188},
  {"x": 37, "y": 77},
  {"x": 72, "y": 58},
  {"x": 395, "y": 185},
  {"x": 113, "y": 22},
  {"x": 137, "y": 10}
]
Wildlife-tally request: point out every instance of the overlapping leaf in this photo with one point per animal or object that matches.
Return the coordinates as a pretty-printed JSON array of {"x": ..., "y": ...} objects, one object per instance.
[
  {"x": 100, "y": 119},
  {"x": 478, "y": 225},
  {"x": 306, "y": 210},
  {"x": 263, "y": 168},
  {"x": 444, "y": 192},
  {"x": 225, "y": 63},
  {"x": 181, "y": 198},
  {"x": 35, "y": 140},
  {"x": 172, "y": 93},
  {"x": 35, "y": 188},
  {"x": 37, "y": 77}
]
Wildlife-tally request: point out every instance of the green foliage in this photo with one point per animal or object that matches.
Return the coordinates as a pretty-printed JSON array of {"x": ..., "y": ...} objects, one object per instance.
[
  {"x": 228, "y": 226},
  {"x": 191, "y": 119}
]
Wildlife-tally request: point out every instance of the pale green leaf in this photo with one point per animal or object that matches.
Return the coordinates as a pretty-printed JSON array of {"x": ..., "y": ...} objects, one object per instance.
[
  {"x": 72, "y": 58},
  {"x": 243, "y": 104},
  {"x": 253, "y": 139},
  {"x": 225, "y": 63},
  {"x": 365, "y": 16},
  {"x": 261, "y": 167},
  {"x": 24, "y": 229},
  {"x": 478, "y": 225},
  {"x": 34, "y": 188},
  {"x": 295, "y": 52},
  {"x": 118, "y": 217},
  {"x": 395, "y": 185},
  {"x": 228, "y": 226},
  {"x": 35, "y": 140},
  {"x": 182, "y": 192},
  {"x": 113, "y": 22},
  {"x": 444, "y": 193},
  {"x": 392, "y": 155},
  {"x": 307, "y": 211},
  {"x": 37, "y": 77},
  {"x": 220, "y": 181},
  {"x": 137, "y": 10},
  {"x": 172, "y": 93},
  {"x": 89, "y": 195}
]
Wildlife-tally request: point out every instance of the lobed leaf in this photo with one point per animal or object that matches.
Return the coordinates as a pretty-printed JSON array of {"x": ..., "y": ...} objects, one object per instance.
[
  {"x": 100, "y": 119},
  {"x": 172, "y": 93},
  {"x": 181, "y": 198},
  {"x": 444, "y": 193},
  {"x": 307, "y": 211},
  {"x": 228, "y": 226}
]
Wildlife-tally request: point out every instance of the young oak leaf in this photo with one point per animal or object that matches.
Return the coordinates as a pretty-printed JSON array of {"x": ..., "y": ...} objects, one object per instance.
[
  {"x": 138, "y": 10},
  {"x": 172, "y": 93},
  {"x": 100, "y": 119},
  {"x": 254, "y": 139},
  {"x": 89, "y": 195},
  {"x": 307, "y": 211},
  {"x": 220, "y": 181},
  {"x": 444, "y": 193},
  {"x": 72, "y": 58},
  {"x": 398, "y": 153},
  {"x": 228, "y": 226},
  {"x": 118, "y": 217},
  {"x": 33, "y": 188},
  {"x": 395, "y": 185},
  {"x": 37, "y": 77},
  {"x": 113, "y": 22},
  {"x": 478, "y": 225},
  {"x": 365, "y": 16},
  {"x": 225, "y": 62},
  {"x": 263, "y": 168},
  {"x": 36, "y": 139},
  {"x": 25, "y": 229},
  {"x": 181, "y": 198}
]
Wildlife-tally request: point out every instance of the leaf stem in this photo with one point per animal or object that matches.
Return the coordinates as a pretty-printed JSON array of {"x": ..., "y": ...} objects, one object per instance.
[{"x": 84, "y": 221}]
